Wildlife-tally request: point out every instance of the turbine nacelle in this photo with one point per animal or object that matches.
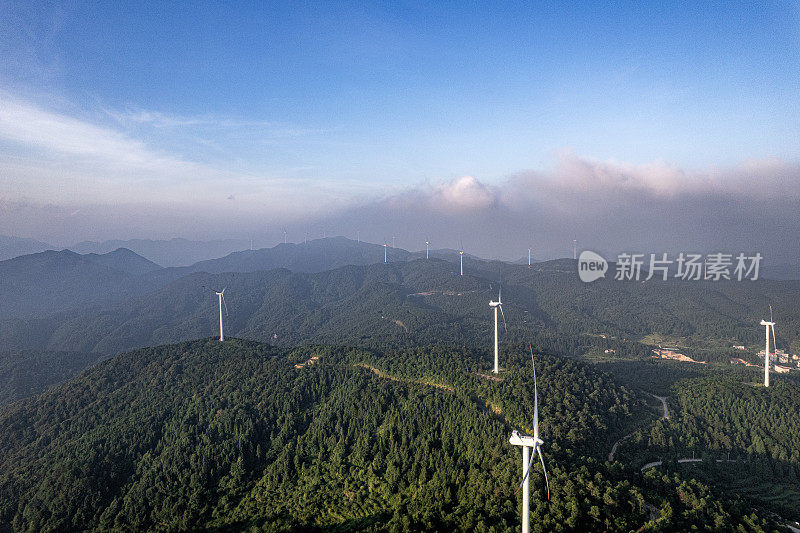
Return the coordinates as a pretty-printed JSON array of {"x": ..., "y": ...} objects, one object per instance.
[{"x": 518, "y": 439}]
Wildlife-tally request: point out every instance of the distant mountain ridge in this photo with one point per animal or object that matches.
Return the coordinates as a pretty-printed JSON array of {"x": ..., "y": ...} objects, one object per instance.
[
  {"x": 414, "y": 302},
  {"x": 48, "y": 282},
  {"x": 45, "y": 283},
  {"x": 168, "y": 253},
  {"x": 11, "y": 247}
]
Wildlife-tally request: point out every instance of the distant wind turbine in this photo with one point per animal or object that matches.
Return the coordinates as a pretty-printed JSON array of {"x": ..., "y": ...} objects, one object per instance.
[
  {"x": 529, "y": 257},
  {"x": 461, "y": 254},
  {"x": 427, "y": 243},
  {"x": 392, "y": 241},
  {"x": 385, "y": 254},
  {"x": 284, "y": 236},
  {"x": 497, "y": 305},
  {"x": 222, "y": 302},
  {"x": 767, "y": 326},
  {"x": 530, "y": 447},
  {"x": 574, "y": 249}
]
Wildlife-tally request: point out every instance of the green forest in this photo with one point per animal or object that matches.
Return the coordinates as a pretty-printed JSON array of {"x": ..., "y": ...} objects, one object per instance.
[
  {"x": 233, "y": 436},
  {"x": 361, "y": 399}
]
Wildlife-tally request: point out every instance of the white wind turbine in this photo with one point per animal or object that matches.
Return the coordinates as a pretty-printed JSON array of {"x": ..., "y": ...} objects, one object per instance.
[
  {"x": 497, "y": 305},
  {"x": 385, "y": 254},
  {"x": 529, "y": 257},
  {"x": 427, "y": 243},
  {"x": 767, "y": 326},
  {"x": 461, "y": 255},
  {"x": 530, "y": 446},
  {"x": 222, "y": 302}
]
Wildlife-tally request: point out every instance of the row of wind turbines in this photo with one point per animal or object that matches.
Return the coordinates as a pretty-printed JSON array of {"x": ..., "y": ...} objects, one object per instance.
[{"x": 461, "y": 253}]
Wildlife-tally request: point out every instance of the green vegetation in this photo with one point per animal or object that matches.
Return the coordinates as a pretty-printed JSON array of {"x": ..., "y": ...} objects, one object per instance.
[
  {"x": 399, "y": 425},
  {"x": 27, "y": 373},
  {"x": 209, "y": 435},
  {"x": 747, "y": 436}
]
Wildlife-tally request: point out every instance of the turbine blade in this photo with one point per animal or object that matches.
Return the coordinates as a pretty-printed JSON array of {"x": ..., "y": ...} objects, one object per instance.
[
  {"x": 770, "y": 312},
  {"x": 527, "y": 470},
  {"x": 774, "y": 342},
  {"x": 541, "y": 457},
  {"x": 225, "y": 304},
  {"x": 504, "y": 317},
  {"x": 535, "y": 399}
]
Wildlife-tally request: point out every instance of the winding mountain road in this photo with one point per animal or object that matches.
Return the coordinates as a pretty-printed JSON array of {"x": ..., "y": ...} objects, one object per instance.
[{"x": 663, "y": 400}]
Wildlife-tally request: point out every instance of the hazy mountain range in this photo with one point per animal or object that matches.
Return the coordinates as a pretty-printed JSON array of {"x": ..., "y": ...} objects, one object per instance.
[
  {"x": 172, "y": 252},
  {"x": 338, "y": 290}
]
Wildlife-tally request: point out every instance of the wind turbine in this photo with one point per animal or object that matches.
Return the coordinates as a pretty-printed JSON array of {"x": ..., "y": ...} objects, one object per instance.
[
  {"x": 529, "y": 257},
  {"x": 497, "y": 305},
  {"x": 284, "y": 236},
  {"x": 767, "y": 326},
  {"x": 221, "y": 296},
  {"x": 385, "y": 254},
  {"x": 461, "y": 254},
  {"x": 530, "y": 446},
  {"x": 427, "y": 243}
]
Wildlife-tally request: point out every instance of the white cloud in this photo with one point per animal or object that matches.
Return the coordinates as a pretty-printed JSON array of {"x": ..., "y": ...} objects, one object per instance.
[
  {"x": 465, "y": 193},
  {"x": 52, "y": 157},
  {"x": 36, "y": 128}
]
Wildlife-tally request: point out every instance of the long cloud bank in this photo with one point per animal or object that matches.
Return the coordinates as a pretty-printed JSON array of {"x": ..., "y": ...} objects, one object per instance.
[{"x": 66, "y": 179}]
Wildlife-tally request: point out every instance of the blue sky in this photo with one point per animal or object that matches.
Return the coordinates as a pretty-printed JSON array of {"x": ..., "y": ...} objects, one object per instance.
[{"x": 344, "y": 103}]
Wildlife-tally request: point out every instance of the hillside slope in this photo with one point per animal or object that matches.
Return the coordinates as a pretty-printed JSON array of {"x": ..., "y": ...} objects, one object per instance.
[{"x": 209, "y": 435}]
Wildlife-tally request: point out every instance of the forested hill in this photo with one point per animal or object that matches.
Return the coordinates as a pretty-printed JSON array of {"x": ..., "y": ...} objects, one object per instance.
[
  {"x": 419, "y": 302},
  {"x": 43, "y": 283},
  {"x": 210, "y": 435}
]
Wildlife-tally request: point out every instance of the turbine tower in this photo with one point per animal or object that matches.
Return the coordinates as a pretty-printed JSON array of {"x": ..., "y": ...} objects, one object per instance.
[
  {"x": 385, "y": 254},
  {"x": 529, "y": 257},
  {"x": 767, "y": 326},
  {"x": 574, "y": 249},
  {"x": 497, "y": 305},
  {"x": 530, "y": 446},
  {"x": 221, "y": 296},
  {"x": 427, "y": 243}
]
